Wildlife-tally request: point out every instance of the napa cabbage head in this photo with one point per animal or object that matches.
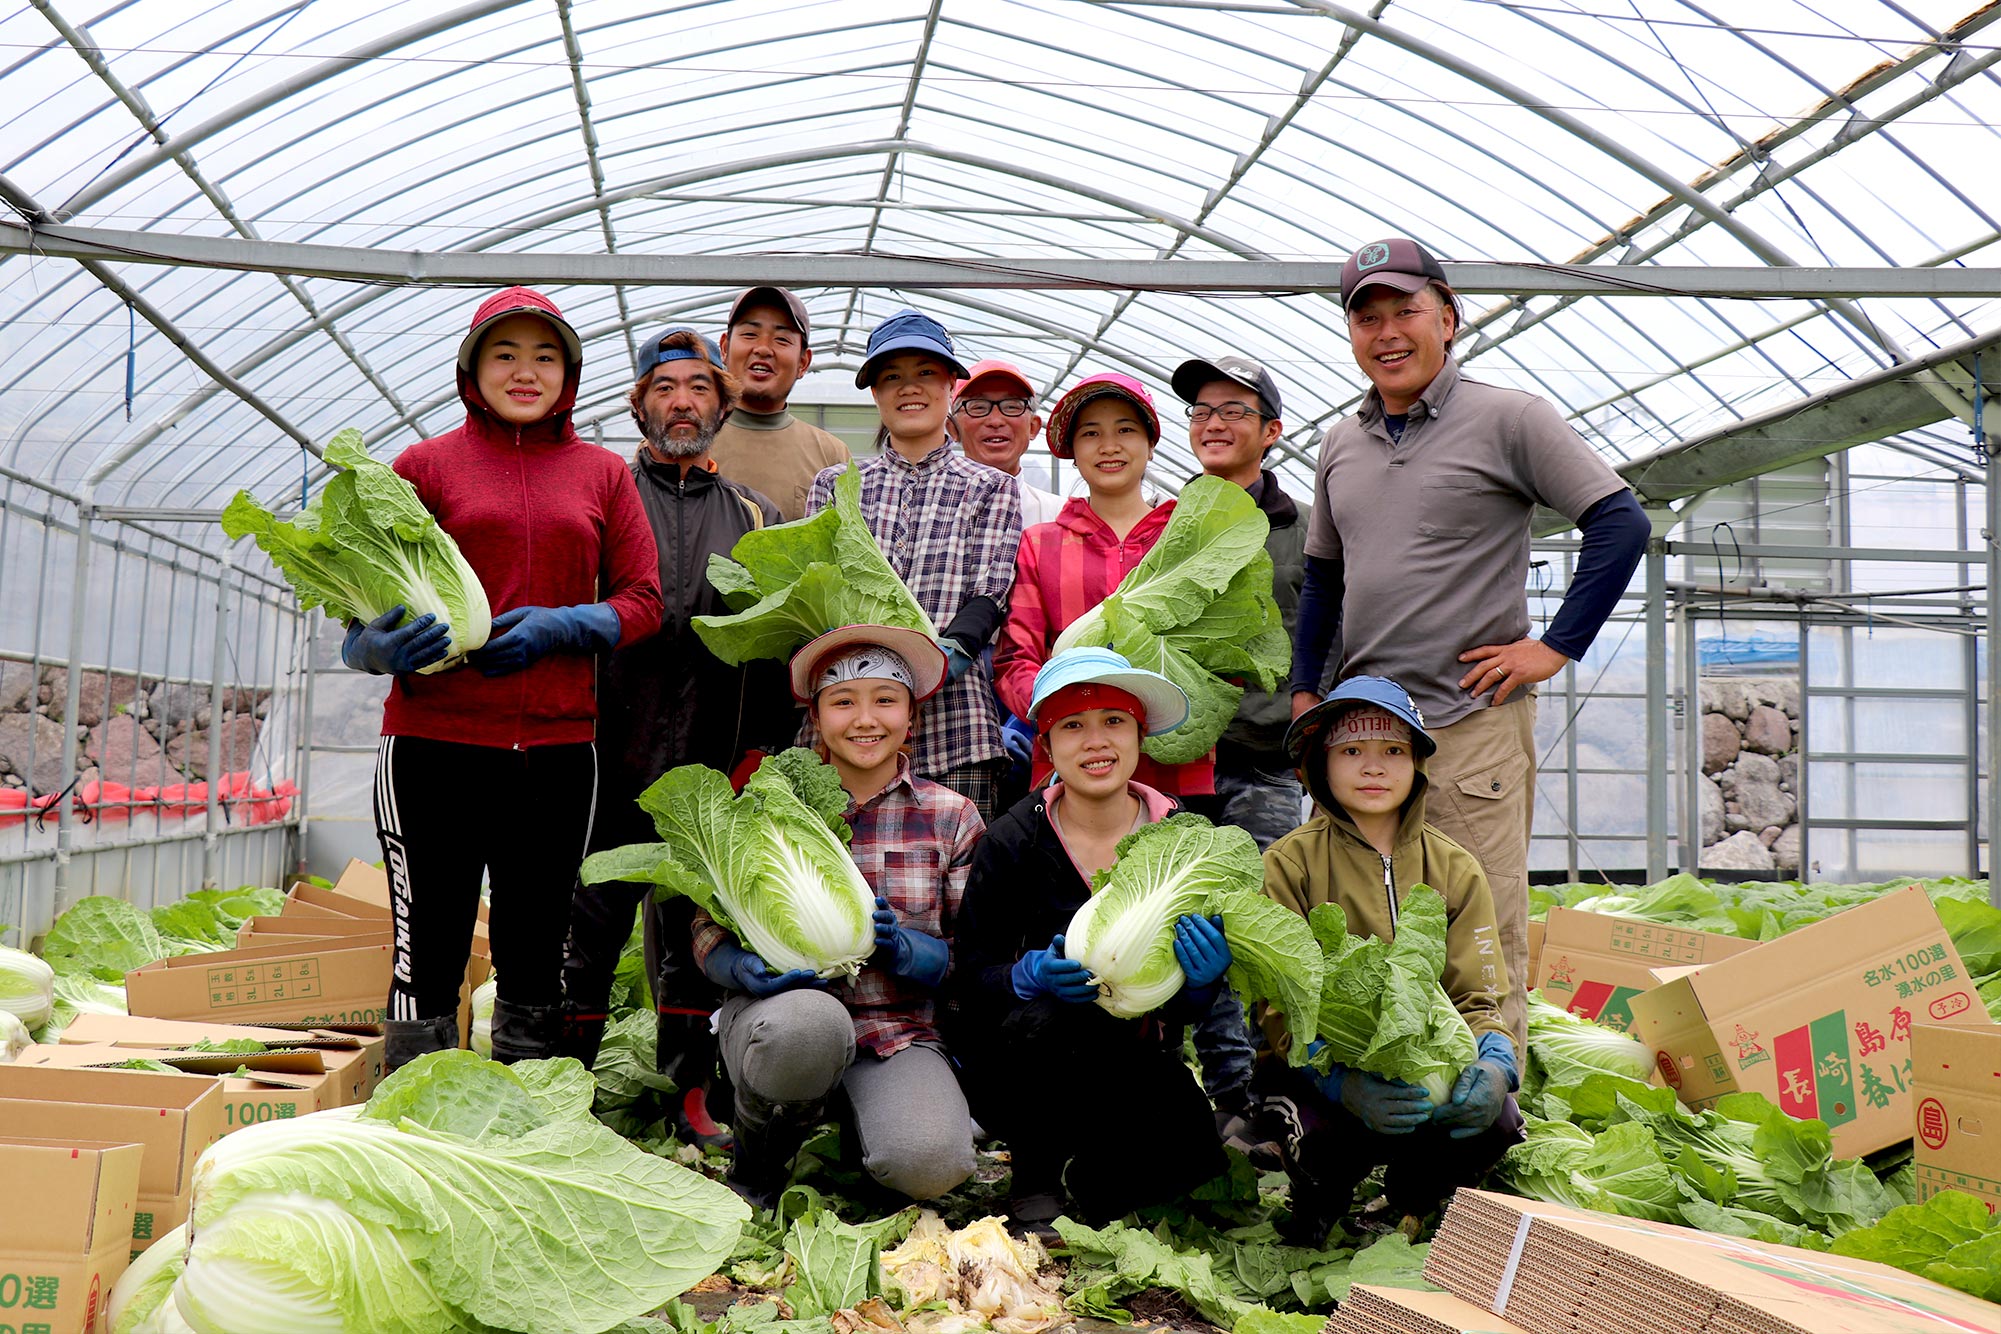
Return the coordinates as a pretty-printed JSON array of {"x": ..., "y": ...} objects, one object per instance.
[
  {"x": 770, "y": 863},
  {"x": 27, "y": 987},
  {"x": 1124, "y": 933},
  {"x": 365, "y": 544},
  {"x": 142, "y": 1300}
]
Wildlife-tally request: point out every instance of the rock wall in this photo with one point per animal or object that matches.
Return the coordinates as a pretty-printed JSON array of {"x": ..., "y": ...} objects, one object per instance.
[
  {"x": 130, "y": 729},
  {"x": 1750, "y": 774}
]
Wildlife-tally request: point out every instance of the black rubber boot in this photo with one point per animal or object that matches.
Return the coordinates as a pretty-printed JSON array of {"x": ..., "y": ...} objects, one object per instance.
[
  {"x": 583, "y": 1035},
  {"x": 526, "y": 1032},
  {"x": 761, "y": 1163},
  {"x": 404, "y": 1040}
]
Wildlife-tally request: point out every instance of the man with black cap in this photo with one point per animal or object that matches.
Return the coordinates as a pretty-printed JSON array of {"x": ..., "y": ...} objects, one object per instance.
[
  {"x": 761, "y": 444},
  {"x": 1421, "y": 507},
  {"x": 1233, "y": 422},
  {"x": 668, "y": 701}
]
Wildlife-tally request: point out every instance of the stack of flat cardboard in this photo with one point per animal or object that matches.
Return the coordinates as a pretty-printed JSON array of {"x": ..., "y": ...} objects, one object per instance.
[
  {"x": 323, "y": 962},
  {"x": 65, "y": 1231},
  {"x": 1368, "y": 1310},
  {"x": 1553, "y": 1270}
]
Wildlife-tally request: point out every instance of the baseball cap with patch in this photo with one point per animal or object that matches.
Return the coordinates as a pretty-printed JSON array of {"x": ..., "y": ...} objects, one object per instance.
[
  {"x": 653, "y": 353},
  {"x": 1398, "y": 263},
  {"x": 1191, "y": 375},
  {"x": 773, "y": 296}
]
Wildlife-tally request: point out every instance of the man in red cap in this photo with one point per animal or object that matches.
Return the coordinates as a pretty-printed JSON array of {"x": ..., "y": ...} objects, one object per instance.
[
  {"x": 994, "y": 420},
  {"x": 761, "y": 444},
  {"x": 1421, "y": 508}
]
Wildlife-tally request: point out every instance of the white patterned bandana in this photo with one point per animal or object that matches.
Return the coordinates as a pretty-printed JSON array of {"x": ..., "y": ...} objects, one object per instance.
[
  {"x": 864, "y": 662},
  {"x": 1367, "y": 723}
]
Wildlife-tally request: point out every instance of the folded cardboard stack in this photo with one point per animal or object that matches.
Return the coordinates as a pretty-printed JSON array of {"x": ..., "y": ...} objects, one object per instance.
[
  {"x": 65, "y": 1232},
  {"x": 1369, "y": 1310},
  {"x": 323, "y": 962},
  {"x": 1553, "y": 1270}
]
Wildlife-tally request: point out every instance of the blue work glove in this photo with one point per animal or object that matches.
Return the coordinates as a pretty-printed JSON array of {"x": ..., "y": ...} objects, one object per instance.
[
  {"x": 957, "y": 663},
  {"x": 1480, "y": 1090},
  {"x": 383, "y": 648},
  {"x": 1200, "y": 949},
  {"x": 734, "y": 968},
  {"x": 1018, "y": 740},
  {"x": 525, "y": 634},
  {"x": 1048, "y": 973},
  {"x": 913, "y": 955},
  {"x": 1385, "y": 1106}
]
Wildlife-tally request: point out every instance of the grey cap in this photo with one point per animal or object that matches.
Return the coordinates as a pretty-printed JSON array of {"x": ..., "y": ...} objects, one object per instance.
[
  {"x": 1190, "y": 376},
  {"x": 773, "y": 296}
]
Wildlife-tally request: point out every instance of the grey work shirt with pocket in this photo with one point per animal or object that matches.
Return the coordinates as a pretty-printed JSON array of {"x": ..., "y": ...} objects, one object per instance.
[{"x": 1433, "y": 530}]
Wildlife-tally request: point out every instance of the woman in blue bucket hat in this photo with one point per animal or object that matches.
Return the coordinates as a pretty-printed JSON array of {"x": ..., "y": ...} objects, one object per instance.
[
  {"x": 949, "y": 528},
  {"x": 1024, "y": 1006}
]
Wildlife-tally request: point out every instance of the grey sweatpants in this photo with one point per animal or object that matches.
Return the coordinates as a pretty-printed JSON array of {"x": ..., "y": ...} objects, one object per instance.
[{"x": 798, "y": 1047}]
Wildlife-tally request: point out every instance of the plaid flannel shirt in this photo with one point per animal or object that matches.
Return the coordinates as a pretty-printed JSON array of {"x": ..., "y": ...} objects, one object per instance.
[
  {"x": 949, "y": 528},
  {"x": 913, "y": 842}
]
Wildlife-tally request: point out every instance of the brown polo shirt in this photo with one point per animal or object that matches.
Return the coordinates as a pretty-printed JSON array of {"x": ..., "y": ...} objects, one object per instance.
[
  {"x": 776, "y": 453},
  {"x": 1433, "y": 530}
]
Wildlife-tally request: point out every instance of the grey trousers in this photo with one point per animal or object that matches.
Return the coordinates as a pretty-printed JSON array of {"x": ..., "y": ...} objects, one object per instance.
[{"x": 798, "y": 1047}]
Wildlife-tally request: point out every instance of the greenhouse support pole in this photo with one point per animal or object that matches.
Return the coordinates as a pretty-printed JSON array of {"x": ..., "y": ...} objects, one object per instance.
[
  {"x": 1657, "y": 698},
  {"x": 305, "y": 733},
  {"x": 1993, "y": 539},
  {"x": 72, "y": 695},
  {"x": 211, "y": 842}
]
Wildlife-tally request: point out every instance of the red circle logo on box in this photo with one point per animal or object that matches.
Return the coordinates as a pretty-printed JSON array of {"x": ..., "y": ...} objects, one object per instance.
[
  {"x": 1945, "y": 1007},
  {"x": 1668, "y": 1070},
  {"x": 90, "y": 1302},
  {"x": 1932, "y": 1127}
]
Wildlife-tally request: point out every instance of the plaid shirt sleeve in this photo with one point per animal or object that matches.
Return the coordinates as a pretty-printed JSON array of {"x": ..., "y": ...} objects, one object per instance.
[
  {"x": 708, "y": 933},
  {"x": 821, "y": 493},
  {"x": 993, "y": 535}
]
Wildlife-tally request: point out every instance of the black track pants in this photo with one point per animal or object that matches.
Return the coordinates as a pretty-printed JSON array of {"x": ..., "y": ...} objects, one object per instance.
[{"x": 450, "y": 816}]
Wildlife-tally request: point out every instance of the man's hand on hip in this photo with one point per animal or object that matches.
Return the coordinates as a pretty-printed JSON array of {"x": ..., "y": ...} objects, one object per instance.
[
  {"x": 1302, "y": 700},
  {"x": 1507, "y": 666}
]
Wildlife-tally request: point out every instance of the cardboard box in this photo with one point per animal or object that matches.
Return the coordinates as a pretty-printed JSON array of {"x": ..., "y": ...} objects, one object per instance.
[
  {"x": 1819, "y": 1021},
  {"x": 351, "y": 1060},
  {"x": 1956, "y": 1084},
  {"x": 1372, "y": 1310},
  {"x": 59, "y": 1258},
  {"x": 282, "y": 1085},
  {"x": 173, "y": 1117},
  {"x": 336, "y": 982},
  {"x": 1546, "y": 1267},
  {"x": 1593, "y": 964}
]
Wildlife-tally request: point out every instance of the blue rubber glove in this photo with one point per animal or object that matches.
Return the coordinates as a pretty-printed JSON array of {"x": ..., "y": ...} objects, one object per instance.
[
  {"x": 1200, "y": 949},
  {"x": 734, "y": 968},
  {"x": 1048, "y": 973},
  {"x": 383, "y": 648},
  {"x": 915, "y": 956},
  {"x": 1018, "y": 740},
  {"x": 957, "y": 663},
  {"x": 1480, "y": 1090},
  {"x": 525, "y": 634},
  {"x": 1385, "y": 1106}
]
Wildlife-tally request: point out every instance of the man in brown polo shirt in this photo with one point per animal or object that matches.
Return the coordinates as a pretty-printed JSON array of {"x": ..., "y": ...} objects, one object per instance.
[
  {"x": 1417, "y": 554},
  {"x": 762, "y": 445}
]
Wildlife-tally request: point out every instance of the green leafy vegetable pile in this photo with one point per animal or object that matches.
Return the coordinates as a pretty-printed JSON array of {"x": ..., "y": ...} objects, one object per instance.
[
  {"x": 794, "y": 582},
  {"x": 466, "y": 1196},
  {"x": 365, "y": 544},
  {"x": 1951, "y": 1237},
  {"x": 1124, "y": 933},
  {"x": 1381, "y": 1006},
  {"x": 1199, "y": 610},
  {"x": 769, "y": 863}
]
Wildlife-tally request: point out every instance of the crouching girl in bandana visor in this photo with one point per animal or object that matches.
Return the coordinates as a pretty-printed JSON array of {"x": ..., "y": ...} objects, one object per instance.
[{"x": 797, "y": 1048}]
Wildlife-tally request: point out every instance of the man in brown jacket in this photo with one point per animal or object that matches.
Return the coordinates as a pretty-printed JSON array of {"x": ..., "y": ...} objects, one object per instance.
[{"x": 1361, "y": 753}]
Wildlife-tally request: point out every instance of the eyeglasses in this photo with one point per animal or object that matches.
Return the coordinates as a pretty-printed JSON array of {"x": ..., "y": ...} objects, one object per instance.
[
  {"x": 980, "y": 407},
  {"x": 1229, "y": 412},
  {"x": 1404, "y": 316}
]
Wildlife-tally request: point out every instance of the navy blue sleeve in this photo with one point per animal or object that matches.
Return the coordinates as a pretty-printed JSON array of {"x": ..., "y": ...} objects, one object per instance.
[
  {"x": 1615, "y": 537},
  {"x": 1316, "y": 622}
]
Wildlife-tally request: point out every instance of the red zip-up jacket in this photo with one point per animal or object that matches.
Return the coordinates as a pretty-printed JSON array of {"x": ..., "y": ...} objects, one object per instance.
[
  {"x": 546, "y": 519},
  {"x": 1062, "y": 570}
]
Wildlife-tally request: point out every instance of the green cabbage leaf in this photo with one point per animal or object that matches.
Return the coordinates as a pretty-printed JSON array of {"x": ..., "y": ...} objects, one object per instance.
[
  {"x": 365, "y": 544},
  {"x": 1199, "y": 610}
]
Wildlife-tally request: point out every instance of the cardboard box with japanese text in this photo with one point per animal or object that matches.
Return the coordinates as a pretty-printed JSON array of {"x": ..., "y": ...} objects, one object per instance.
[
  {"x": 1819, "y": 1020},
  {"x": 334, "y": 982},
  {"x": 59, "y": 1258},
  {"x": 1956, "y": 1082},
  {"x": 256, "y": 1086},
  {"x": 172, "y": 1117},
  {"x": 1593, "y": 964},
  {"x": 351, "y": 1057}
]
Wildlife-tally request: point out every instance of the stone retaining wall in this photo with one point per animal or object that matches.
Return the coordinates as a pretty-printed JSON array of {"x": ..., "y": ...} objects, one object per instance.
[
  {"x": 131, "y": 729},
  {"x": 1750, "y": 774}
]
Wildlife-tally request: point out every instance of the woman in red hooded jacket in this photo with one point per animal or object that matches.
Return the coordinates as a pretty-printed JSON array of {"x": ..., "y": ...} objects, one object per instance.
[{"x": 487, "y": 770}]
